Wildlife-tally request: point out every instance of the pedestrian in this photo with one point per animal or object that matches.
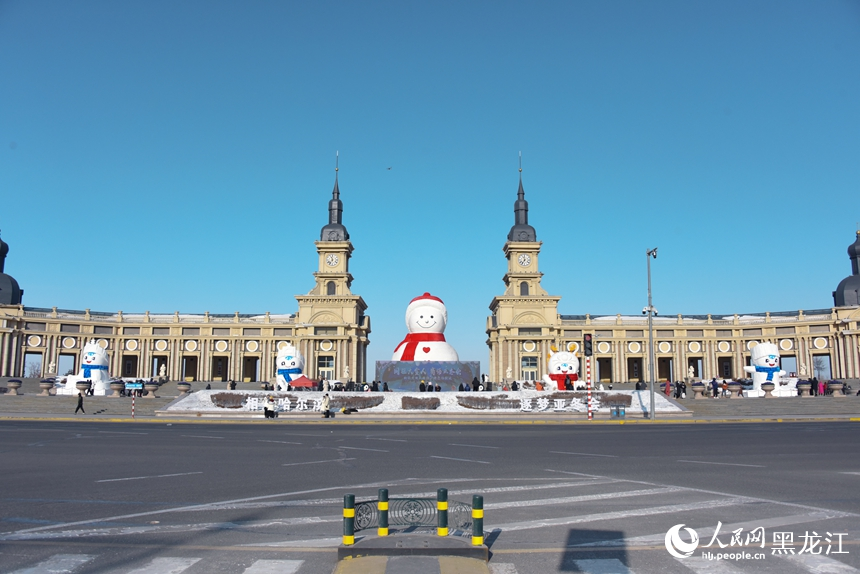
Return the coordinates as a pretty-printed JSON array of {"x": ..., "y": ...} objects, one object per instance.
[
  {"x": 438, "y": 388},
  {"x": 269, "y": 409},
  {"x": 422, "y": 387},
  {"x": 475, "y": 384},
  {"x": 715, "y": 387},
  {"x": 821, "y": 388},
  {"x": 80, "y": 404},
  {"x": 326, "y": 406},
  {"x": 384, "y": 387},
  {"x": 460, "y": 387},
  {"x": 725, "y": 388}
]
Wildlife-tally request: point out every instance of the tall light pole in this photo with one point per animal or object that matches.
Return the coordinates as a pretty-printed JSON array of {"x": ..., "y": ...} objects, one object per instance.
[{"x": 651, "y": 312}]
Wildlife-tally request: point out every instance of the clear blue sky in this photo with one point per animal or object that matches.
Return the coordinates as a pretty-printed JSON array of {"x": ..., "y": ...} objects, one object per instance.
[{"x": 172, "y": 156}]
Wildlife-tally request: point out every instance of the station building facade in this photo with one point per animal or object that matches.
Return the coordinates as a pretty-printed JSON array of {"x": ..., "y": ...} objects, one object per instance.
[
  {"x": 330, "y": 329},
  {"x": 524, "y": 326}
]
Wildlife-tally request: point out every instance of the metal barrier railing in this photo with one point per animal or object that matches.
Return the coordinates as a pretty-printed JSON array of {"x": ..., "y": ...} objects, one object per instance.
[{"x": 413, "y": 512}]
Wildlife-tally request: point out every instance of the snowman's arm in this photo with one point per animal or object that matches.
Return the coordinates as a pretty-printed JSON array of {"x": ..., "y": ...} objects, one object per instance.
[
  {"x": 782, "y": 373},
  {"x": 749, "y": 369},
  {"x": 547, "y": 380}
]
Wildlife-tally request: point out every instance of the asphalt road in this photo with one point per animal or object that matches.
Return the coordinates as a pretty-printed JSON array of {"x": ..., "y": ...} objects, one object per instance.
[{"x": 253, "y": 498}]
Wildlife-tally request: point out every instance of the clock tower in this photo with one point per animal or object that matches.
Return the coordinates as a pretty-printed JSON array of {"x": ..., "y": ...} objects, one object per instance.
[
  {"x": 331, "y": 326},
  {"x": 524, "y": 322}
]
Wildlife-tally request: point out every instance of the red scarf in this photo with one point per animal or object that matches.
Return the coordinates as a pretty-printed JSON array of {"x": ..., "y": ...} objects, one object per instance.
[{"x": 411, "y": 341}]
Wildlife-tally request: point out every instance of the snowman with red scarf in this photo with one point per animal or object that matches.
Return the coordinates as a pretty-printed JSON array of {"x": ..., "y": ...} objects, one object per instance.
[{"x": 426, "y": 318}]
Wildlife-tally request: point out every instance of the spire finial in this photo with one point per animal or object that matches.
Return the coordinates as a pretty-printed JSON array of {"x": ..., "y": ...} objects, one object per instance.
[
  {"x": 521, "y": 162},
  {"x": 336, "y": 162}
]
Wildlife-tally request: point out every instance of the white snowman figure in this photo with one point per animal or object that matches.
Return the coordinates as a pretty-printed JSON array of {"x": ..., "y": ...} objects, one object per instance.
[
  {"x": 765, "y": 366},
  {"x": 561, "y": 365},
  {"x": 290, "y": 365},
  {"x": 426, "y": 318},
  {"x": 94, "y": 367}
]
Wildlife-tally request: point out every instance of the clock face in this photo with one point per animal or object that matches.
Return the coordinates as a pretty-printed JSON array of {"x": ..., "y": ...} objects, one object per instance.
[
  {"x": 331, "y": 259},
  {"x": 524, "y": 260}
]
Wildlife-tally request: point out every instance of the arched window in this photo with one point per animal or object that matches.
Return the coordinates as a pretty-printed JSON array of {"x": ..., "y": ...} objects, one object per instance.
[
  {"x": 330, "y": 288},
  {"x": 524, "y": 289}
]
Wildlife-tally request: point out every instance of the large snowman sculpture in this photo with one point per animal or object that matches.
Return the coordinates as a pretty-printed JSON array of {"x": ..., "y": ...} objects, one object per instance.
[
  {"x": 290, "y": 363},
  {"x": 561, "y": 365},
  {"x": 94, "y": 367},
  {"x": 765, "y": 366},
  {"x": 426, "y": 318}
]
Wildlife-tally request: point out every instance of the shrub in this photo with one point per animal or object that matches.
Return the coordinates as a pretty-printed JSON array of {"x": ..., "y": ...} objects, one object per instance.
[
  {"x": 419, "y": 404},
  {"x": 363, "y": 402}
]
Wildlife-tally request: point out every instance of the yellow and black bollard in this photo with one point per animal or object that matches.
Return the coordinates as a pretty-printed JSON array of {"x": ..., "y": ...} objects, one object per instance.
[
  {"x": 348, "y": 519},
  {"x": 382, "y": 511},
  {"x": 442, "y": 512},
  {"x": 477, "y": 520}
]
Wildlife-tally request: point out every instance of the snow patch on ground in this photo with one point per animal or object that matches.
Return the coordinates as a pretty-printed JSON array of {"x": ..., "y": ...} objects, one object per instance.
[{"x": 537, "y": 401}]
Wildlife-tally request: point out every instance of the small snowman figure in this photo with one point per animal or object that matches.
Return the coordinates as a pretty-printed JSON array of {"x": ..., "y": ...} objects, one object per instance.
[
  {"x": 765, "y": 365},
  {"x": 290, "y": 364},
  {"x": 426, "y": 318}
]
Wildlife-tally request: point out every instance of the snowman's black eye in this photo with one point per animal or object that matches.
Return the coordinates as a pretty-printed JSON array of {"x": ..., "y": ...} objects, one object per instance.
[
  {"x": 421, "y": 317},
  {"x": 431, "y": 316}
]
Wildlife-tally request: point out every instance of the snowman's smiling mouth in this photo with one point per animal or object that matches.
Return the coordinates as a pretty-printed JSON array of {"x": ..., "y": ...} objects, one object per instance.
[{"x": 427, "y": 325}]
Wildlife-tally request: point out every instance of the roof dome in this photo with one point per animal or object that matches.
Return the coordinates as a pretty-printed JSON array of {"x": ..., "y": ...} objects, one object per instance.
[{"x": 847, "y": 293}]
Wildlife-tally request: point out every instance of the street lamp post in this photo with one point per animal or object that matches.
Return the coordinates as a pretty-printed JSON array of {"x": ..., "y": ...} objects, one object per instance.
[{"x": 651, "y": 312}]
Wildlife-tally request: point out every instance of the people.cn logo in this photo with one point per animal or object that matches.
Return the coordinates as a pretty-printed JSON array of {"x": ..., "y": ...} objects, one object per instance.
[{"x": 677, "y": 547}]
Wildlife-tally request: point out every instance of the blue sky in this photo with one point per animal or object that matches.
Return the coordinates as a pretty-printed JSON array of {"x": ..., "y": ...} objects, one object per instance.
[{"x": 172, "y": 156}]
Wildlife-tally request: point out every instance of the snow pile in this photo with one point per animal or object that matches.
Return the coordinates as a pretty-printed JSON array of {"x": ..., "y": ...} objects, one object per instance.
[{"x": 303, "y": 401}]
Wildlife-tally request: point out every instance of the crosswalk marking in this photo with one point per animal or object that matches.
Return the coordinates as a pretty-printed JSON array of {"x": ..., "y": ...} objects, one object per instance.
[
  {"x": 701, "y": 565},
  {"x": 274, "y": 567},
  {"x": 602, "y": 566},
  {"x": 820, "y": 564},
  {"x": 582, "y": 498},
  {"x": 58, "y": 564},
  {"x": 166, "y": 566},
  {"x": 502, "y": 568}
]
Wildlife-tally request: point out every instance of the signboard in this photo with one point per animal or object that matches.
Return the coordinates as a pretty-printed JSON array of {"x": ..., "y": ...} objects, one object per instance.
[
  {"x": 408, "y": 375},
  {"x": 134, "y": 386}
]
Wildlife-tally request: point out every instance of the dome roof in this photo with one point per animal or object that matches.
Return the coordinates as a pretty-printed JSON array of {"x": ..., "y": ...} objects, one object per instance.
[
  {"x": 847, "y": 293},
  {"x": 10, "y": 292}
]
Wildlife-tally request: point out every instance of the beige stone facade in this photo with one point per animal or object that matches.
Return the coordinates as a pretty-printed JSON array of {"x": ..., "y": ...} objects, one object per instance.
[
  {"x": 525, "y": 325},
  {"x": 330, "y": 329}
]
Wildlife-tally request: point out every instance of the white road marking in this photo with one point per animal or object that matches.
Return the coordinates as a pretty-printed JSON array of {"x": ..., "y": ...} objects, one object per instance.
[
  {"x": 280, "y": 441},
  {"x": 584, "y": 518},
  {"x": 120, "y": 432},
  {"x": 165, "y": 566},
  {"x": 143, "y": 477},
  {"x": 312, "y": 543},
  {"x": 856, "y": 473},
  {"x": 503, "y": 568},
  {"x": 11, "y": 535},
  {"x": 585, "y": 498},
  {"x": 274, "y": 567},
  {"x": 584, "y": 454},
  {"x": 461, "y": 459},
  {"x": 701, "y": 565},
  {"x": 316, "y": 461},
  {"x": 57, "y": 564},
  {"x": 723, "y": 463},
  {"x": 474, "y": 445},
  {"x": 200, "y": 436},
  {"x": 326, "y": 501},
  {"x": 359, "y": 448},
  {"x": 820, "y": 564},
  {"x": 388, "y": 439},
  {"x": 602, "y": 566}
]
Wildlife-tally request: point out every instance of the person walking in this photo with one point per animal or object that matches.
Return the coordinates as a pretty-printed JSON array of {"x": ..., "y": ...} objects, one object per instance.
[
  {"x": 326, "y": 406},
  {"x": 715, "y": 387},
  {"x": 80, "y": 404}
]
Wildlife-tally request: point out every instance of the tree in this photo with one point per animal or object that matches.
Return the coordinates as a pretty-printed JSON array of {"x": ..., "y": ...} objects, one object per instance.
[{"x": 33, "y": 370}]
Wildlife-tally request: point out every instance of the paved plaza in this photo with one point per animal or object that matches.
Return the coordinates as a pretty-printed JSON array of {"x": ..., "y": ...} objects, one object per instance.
[{"x": 167, "y": 496}]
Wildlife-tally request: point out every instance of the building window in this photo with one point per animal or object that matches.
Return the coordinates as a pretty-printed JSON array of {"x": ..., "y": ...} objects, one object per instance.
[
  {"x": 330, "y": 288},
  {"x": 190, "y": 330},
  {"x": 102, "y": 330},
  {"x": 35, "y": 326},
  {"x": 325, "y": 367},
  {"x": 524, "y": 289},
  {"x": 251, "y": 331},
  {"x": 325, "y": 330},
  {"x": 280, "y": 332},
  {"x": 70, "y": 328},
  {"x": 529, "y": 368},
  {"x": 221, "y": 331},
  {"x": 131, "y": 330},
  {"x": 529, "y": 331},
  {"x": 161, "y": 330}
]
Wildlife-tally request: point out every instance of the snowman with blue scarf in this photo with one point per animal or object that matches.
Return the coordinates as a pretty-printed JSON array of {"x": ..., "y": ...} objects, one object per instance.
[
  {"x": 290, "y": 364},
  {"x": 765, "y": 366}
]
